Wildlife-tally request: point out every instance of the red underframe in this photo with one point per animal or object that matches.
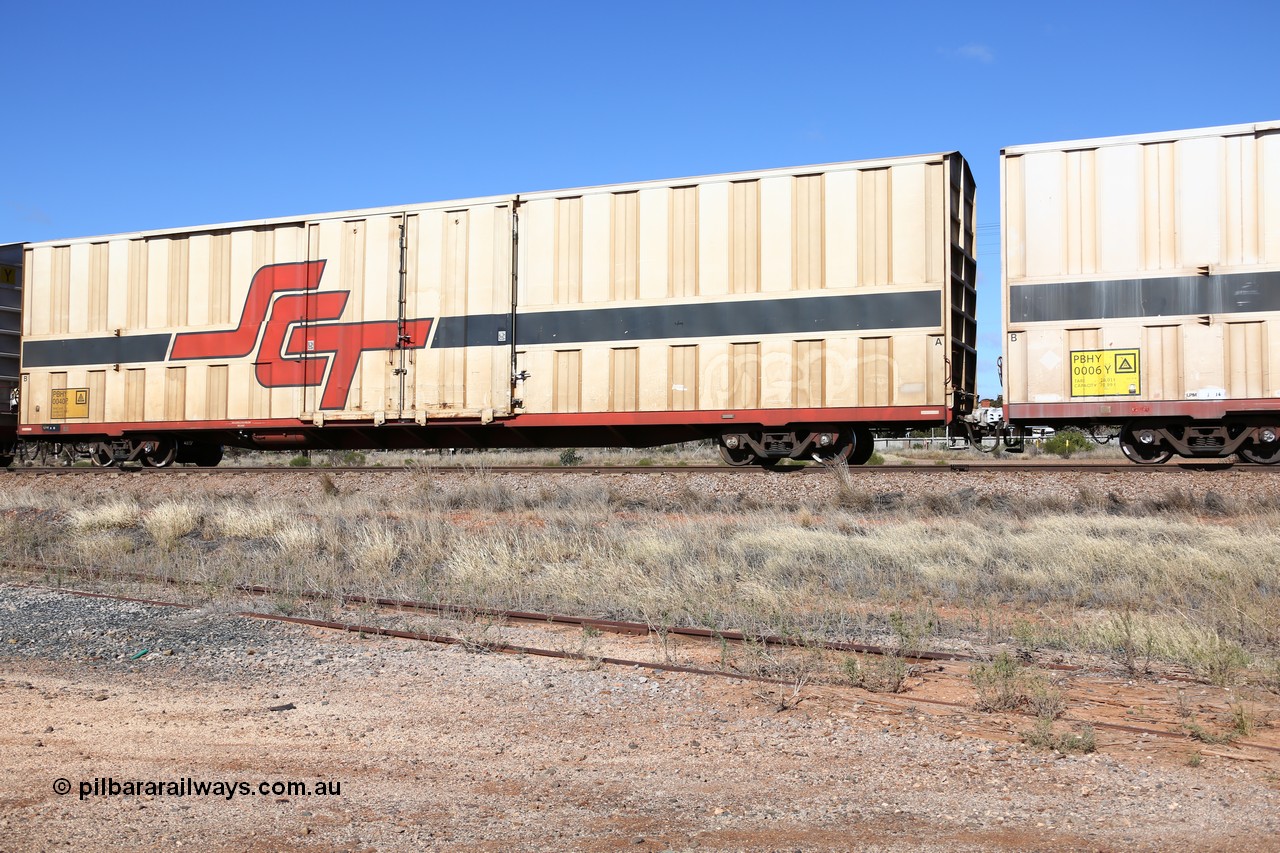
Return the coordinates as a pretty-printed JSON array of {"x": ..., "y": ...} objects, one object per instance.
[
  {"x": 766, "y": 418},
  {"x": 1122, "y": 410}
]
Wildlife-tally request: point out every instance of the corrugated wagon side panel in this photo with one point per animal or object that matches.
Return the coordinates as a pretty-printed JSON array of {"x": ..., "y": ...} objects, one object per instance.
[
  {"x": 910, "y": 245},
  {"x": 1118, "y": 215},
  {"x": 1165, "y": 245},
  {"x": 841, "y": 379},
  {"x": 778, "y": 261},
  {"x": 461, "y": 275},
  {"x": 78, "y": 290},
  {"x": 808, "y": 232},
  {"x": 1268, "y": 170},
  {"x": 681, "y": 250},
  {"x": 654, "y": 230},
  {"x": 713, "y": 239},
  {"x": 781, "y": 269},
  {"x": 840, "y": 245},
  {"x": 36, "y": 311},
  {"x": 755, "y": 292}
]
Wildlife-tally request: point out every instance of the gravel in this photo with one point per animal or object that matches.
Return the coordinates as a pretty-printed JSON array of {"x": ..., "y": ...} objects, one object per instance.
[
  {"x": 436, "y": 748},
  {"x": 885, "y": 488}
]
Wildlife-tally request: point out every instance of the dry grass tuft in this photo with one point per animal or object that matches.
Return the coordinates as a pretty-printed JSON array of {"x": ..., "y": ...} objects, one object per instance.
[
  {"x": 169, "y": 521},
  {"x": 374, "y": 550},
  {"x": 877, "y": 673},
  {"x": 297, "y": 538},
  {"x": 104, "y": 549},
  {"x": 115, "y": 514},
  {"x": 241, "y": 522}
]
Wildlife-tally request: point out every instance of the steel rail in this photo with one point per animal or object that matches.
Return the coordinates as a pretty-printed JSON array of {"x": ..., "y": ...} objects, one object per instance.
[
  {"x": 807, "y": 470},
  {"x": 613, "y": 626},
  {"x": 439, "y": 639}
]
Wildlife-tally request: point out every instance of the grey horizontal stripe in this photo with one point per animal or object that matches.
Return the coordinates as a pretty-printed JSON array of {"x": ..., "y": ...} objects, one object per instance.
[
  {"x": 742, "y": 318},
  {"x": 746, "y": 318},
  {"x": 472, "y": 330},
  {"x": 72, "y": 352},
  {"x": 1230, "y": 293}
]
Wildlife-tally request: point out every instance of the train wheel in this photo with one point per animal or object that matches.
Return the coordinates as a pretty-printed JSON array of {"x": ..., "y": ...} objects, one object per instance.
[
  {"x": 1261, "y": 454},
  {"x": 208, "y": 455},
  {"x": 864, "y": 446},
  {"x": 159, "y": 453},
  {"x": 1143, "y": 446},
  {"x": 840, "y": 452},
  {"x": 102, "y": 456},
  {"x": 6, "y": 460},
  {"x": 1263, "y": 447},
  {"x": 737, "y": 457}
]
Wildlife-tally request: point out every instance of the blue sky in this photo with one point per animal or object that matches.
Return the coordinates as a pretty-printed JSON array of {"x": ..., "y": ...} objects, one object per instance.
[{"x": 130, "y": 116}]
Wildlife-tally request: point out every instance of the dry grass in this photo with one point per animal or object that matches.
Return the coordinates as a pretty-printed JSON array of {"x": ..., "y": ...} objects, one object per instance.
[
  {"x": 297, "y": 539},
  {"x": 1163, "y": 588},
  {"x": 114, "y": 514},
  {"x": 169, "y": 521},
  {"x": 238, "y": 521},
  {"x": 103, "y": 549}
]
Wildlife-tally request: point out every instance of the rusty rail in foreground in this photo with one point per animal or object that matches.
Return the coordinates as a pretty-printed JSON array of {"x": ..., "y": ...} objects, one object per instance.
[{"x": 374, "y": 630}]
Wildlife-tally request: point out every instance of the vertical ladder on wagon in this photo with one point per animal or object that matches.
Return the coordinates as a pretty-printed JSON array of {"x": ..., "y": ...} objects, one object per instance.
[{"x": 402, "y": 352}]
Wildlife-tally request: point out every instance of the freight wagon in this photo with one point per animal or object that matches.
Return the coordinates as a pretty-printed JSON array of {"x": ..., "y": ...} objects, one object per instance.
[
  {"x": 10, "y": 338},
  {"x": 1141, "y": 282},
  {"x": 783, "y": 313}
]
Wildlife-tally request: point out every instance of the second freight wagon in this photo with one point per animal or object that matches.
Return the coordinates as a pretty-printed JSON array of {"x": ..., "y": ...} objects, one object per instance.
[{"x": 1142, "y": 289}]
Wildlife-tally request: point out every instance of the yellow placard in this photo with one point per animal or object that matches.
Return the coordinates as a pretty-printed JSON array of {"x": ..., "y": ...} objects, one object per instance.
[
  {"x": 69, "y": 403},
  {"x": 1105, "y": 373},
  {"x": 9, "y": 275}
]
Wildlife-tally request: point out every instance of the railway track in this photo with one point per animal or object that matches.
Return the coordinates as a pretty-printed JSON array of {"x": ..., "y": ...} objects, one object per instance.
[
  {"x": 922, "y": 470},
  {"x": 940, "y": 659},
  {"x": 611, "y": 626}
]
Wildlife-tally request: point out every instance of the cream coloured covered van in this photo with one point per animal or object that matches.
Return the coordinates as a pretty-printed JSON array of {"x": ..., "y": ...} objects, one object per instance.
[
  {"x": 784, "y": 312},
  {"x": 1141, "y": 282}
]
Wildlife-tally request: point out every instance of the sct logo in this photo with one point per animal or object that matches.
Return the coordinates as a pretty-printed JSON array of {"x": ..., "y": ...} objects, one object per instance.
[{"x": 291, "y": 326}]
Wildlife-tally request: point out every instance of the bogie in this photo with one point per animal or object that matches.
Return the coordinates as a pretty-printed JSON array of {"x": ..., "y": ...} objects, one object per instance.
[{"x": 827, "y": 444}]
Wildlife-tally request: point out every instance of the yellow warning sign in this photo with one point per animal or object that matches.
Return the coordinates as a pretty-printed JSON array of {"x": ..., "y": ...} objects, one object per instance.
[
  {"x": 1105, "y": 372},
  {"x": 8, "y": 274},
  {"x": 69, "y": 403}
]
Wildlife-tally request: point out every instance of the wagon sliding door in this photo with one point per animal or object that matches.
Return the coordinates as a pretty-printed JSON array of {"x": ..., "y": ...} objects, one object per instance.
[
  {"x": 461, "y": 275},
  {"x": 412, "y": 317},
  {"x": 354, "y": 335}
]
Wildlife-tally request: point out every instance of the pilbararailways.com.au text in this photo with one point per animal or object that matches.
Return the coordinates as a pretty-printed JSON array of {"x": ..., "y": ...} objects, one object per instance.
[{"x": 187, "y": 787}]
